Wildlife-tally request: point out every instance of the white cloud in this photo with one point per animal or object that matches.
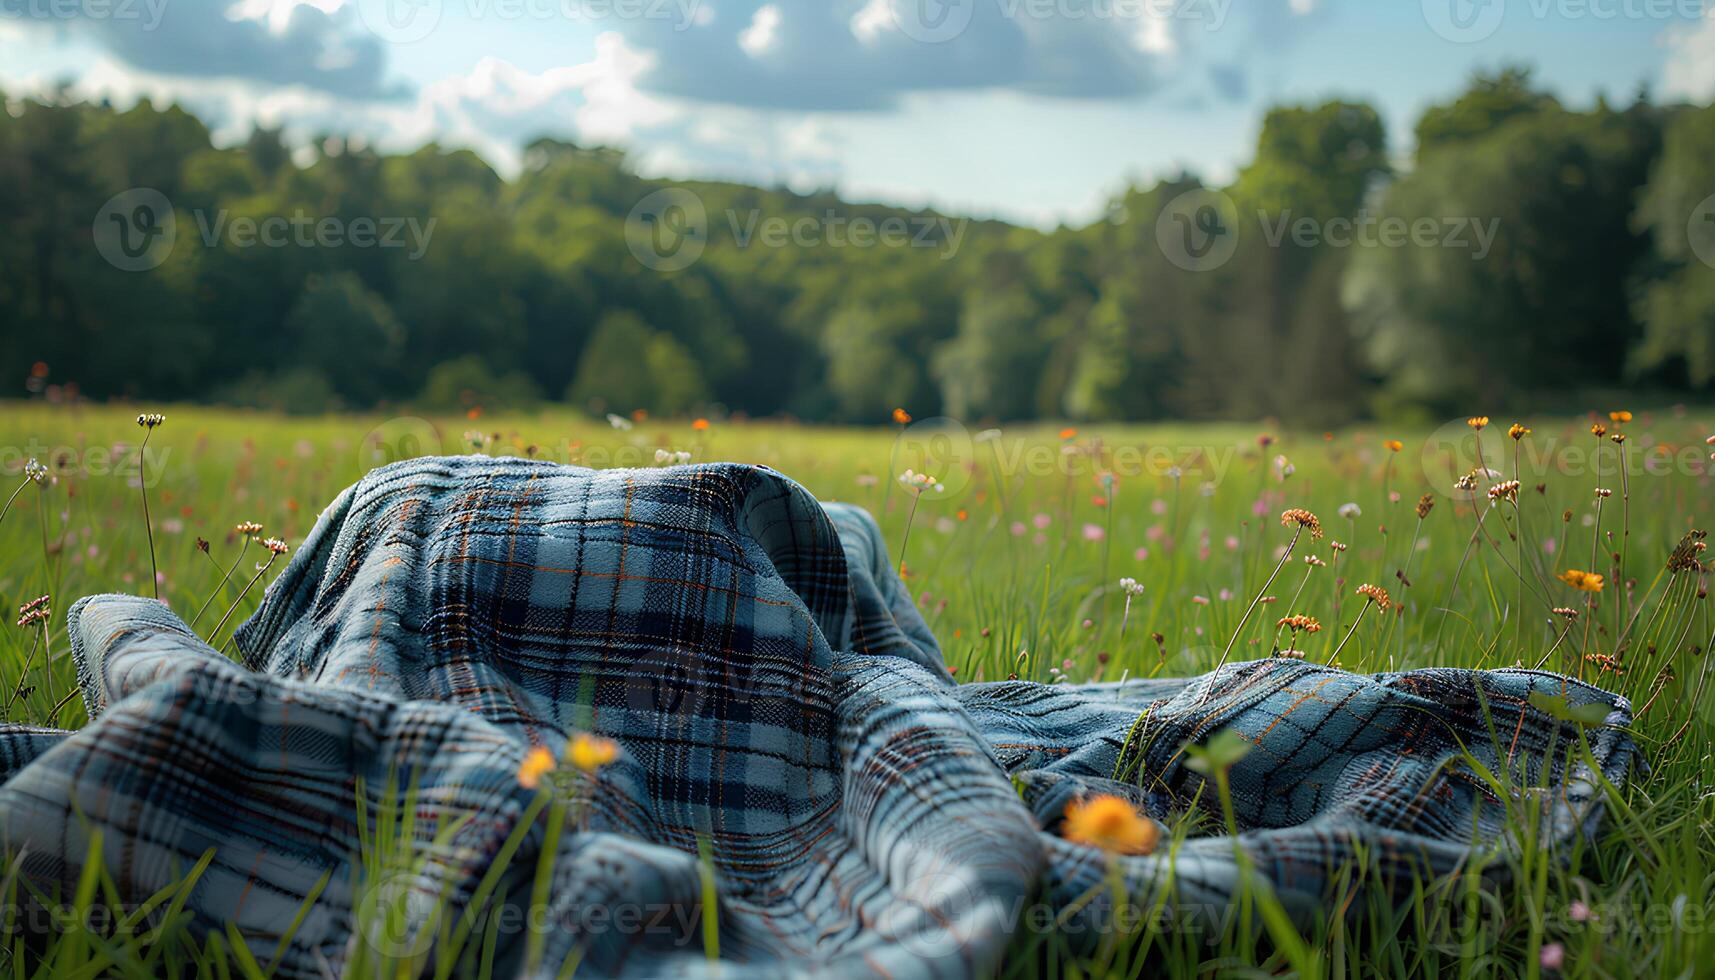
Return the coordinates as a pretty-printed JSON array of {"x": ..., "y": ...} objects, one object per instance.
[
  {"x": 759, "y": 38},
  {"x": 875, "y": 17},
  {"x": 1689, "y": 72}
]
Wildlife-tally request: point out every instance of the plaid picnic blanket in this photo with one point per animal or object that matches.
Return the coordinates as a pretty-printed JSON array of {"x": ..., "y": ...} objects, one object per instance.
[{"x": 781, "y": 708}]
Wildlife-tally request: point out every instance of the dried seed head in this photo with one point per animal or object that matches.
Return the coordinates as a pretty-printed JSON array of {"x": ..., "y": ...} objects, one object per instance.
[
  {"x": 1298, "y": 516},
  {"x": 1375, "y": 594},
  {"x": 1425, "y": 504}
]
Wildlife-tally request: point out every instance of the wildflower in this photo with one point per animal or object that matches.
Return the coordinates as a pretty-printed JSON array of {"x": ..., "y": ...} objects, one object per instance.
[
  {"x": 1394, "y": 445},
  {"x": 1709, "y": 441},
  {"x": 35, "y": 472},
  {"x": 1350, "y": 511},
  {"x": 901, "y": 417},
  {"x": 537, "y": 763},
  {"x": 1604, "y": 492},
  {"x": 34, "y": 611},
  {"x": 1302, "y": 518},
  {"x": 1299, "y": 623},
  {"x": 1518, "y": 431},
  {"x": 1314, "y": 562},
  {"x": 1618, "y": 438},
  {"x": 275, "y": 546},
  {"x": 1112, "y": 824},
  {"x": 1068, "y": 434},
  {"x": 151, "y": 419},
  {"x": 1466, "y": 483},
  {"x": 1131, "y": 587},
  {"x": 1582, "y": 581},
  {"x": 619, "y": 422},
  {"x": 1620, "y": 416},
  {"x": 591, "y": 752},
  {"x": 1578, "y": 911},
  {"x": 1425, "y": 504},
  {"x": 247, "y": 528},
  {"x": 700, "y": 425},
  {"x": 920, "y": 483},
  {"x": 1265, "y": 440},
  {"x": 1553, "y": 956},
  {"x": 202, "y": 544},
  {"x": 1605, "y": 663},
  {"x": 1505, "y": 491},
  {"x": 1685, "y": 555},
  {"x": 1375, "y": 594},
  {"x": 1337, "y": 546},
  {"x": 1598, "y": 430},
  {"x": 1477, "y": 422}
]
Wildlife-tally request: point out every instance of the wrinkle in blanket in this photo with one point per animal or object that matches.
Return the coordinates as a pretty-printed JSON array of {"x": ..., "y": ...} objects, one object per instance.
[{"x": 779, "y": 703}]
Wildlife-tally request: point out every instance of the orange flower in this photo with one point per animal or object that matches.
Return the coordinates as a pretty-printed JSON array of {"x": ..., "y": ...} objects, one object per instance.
[
  {"x": 537, "y": 763},
  {"x": 640, "y": 414},
  {"x": 591, "y": 752},
  {"x": 1477, "y": 422},
  {"x": 700, "y": 425},
  {"x": 1111, "y": 824},
  {"x": 901, "y": 417},
  {"x": 1620, "y": 416},
  {"x": 1582, "y": 581},
  {"x": 1394, "y": 445},
  {"x": 1068, "y": 433}
]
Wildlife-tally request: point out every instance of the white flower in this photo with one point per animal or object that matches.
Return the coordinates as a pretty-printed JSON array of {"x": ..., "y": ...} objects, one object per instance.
[
  {"x": 920, "y": 483},
  {"x": 1131, "y": 587},
  {"x": 1350, "y": 511},
  {"x": 619, "y": 422}
]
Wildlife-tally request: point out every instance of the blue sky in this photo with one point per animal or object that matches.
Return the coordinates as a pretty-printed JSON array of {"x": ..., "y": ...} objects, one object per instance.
[{"x": 1036, "y": 110}]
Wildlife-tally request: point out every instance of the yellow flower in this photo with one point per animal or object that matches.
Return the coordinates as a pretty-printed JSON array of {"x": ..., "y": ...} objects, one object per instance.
[
  {"x": 1477, "y": 422},
  {"x": 1582, "y": 581},
  {"x": 1518, "y": 431},
  {"x": 591, "y": 752},
  {"x": 537, "y": 763},
  {"x": 1111, "y": 824},
  {"x": 1394, "y": 445}
]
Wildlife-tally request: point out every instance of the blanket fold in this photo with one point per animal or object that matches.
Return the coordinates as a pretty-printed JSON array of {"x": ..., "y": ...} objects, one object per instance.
[{"x": 780, "y": 707}]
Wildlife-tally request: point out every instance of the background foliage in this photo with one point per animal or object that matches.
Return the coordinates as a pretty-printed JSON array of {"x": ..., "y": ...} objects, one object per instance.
[{"x": 528, "y": 292}]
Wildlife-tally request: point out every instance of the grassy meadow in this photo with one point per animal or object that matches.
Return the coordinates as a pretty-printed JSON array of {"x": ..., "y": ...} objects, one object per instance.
[{"x": 1016, "y": 560}]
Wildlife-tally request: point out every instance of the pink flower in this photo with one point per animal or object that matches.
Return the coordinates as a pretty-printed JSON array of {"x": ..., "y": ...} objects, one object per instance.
[
  {"x": 1158, "y": 507},
  {"x": 1017, "y": 529},
  {"x": 1042, "y": 521},
  {"x": 1201, "y": 600},
  {"x": 1548, "y": 546},
  {"x": 1232, "y": 542},
  {"x": 1578, "y": 911},
  {"x": 1094, "y": 532},
  {"x": 1226, "y": 595},
  {"x": 1141, "y": 554},
  {"x": 1553, "y": 955}
]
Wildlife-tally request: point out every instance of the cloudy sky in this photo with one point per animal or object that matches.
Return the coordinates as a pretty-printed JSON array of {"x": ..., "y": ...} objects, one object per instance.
[{"x": 1037, "y": 110}]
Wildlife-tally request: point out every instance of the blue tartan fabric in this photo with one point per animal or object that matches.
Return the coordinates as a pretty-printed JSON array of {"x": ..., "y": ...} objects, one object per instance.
[{"x": 779, "y": 704}]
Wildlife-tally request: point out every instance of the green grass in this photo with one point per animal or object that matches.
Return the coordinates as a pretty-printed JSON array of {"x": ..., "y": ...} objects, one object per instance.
[{"x": 1016, "y": 564}]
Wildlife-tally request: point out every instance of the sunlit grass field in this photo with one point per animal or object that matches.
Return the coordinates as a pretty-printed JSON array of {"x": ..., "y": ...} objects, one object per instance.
[{"x": 1016, "y": 552}]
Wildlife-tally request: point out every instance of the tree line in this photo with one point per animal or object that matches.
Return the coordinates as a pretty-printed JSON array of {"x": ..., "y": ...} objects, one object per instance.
[{"x": 1524, "y": 253}]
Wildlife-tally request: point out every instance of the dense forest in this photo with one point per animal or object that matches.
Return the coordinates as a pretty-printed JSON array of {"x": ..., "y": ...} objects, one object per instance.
[{"x": 1600, "y": 272}]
